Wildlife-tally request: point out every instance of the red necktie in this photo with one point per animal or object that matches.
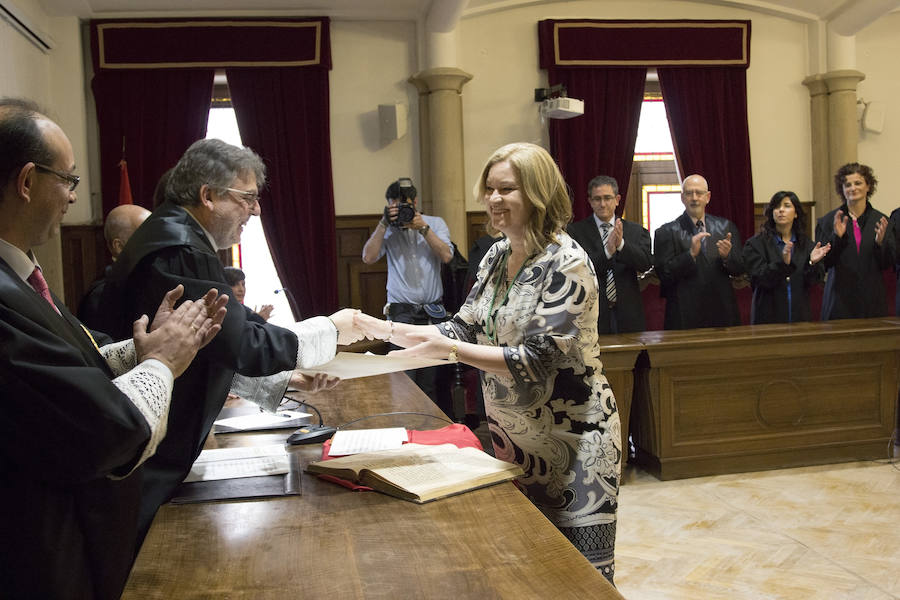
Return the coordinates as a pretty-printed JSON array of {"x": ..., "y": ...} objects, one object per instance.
[{"x": 37, "y": 281}]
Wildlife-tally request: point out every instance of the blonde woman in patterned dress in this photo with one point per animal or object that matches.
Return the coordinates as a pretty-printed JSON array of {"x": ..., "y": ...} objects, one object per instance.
[{"x": 530, "y": 325}]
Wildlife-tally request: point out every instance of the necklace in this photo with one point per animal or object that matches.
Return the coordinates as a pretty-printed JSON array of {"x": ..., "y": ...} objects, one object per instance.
[{"x": 490, "y": 325}]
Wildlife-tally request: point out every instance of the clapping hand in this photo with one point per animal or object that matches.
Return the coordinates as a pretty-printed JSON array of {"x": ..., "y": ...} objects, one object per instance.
[
  {"x": 614, "y": 238},
  {"x": 724, "y": 246},
  {"x": 819, "y": 252},
  {"x": 215, "y": 309},
  {"x": 697, "y": 241},
  {"x": 840, "y": 223},
  {"x": 786, "y": 253},
  {"x": 880, "y": 229},
  {"x": 178, "y": 334}
]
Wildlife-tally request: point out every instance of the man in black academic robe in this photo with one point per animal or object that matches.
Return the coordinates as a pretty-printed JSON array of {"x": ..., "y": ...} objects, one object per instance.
[
  {"x": 212, "y": 192},
  {"x": 695, "y": 256},
  {"x": 627, "y": 255},
  {"x": 71, "y": 437}
]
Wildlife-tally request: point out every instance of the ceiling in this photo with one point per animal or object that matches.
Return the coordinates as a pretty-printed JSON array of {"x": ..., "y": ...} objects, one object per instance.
[{"x": 806, "y": 10}]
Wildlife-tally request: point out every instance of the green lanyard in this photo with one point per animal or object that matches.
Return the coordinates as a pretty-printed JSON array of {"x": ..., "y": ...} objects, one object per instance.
[{"x": 490, "y": 325}]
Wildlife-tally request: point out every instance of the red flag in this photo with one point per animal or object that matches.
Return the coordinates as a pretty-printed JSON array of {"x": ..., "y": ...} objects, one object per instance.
[{"x": 124, "y": 184}]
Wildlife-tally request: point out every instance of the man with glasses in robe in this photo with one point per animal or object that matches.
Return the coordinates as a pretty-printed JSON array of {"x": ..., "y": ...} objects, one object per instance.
[
  {"x": 696, "y": 255},
  {"x": 210, "y": 195}
]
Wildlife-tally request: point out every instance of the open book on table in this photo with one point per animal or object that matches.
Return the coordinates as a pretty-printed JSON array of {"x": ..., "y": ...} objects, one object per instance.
[{"x": 420, "y": 473}]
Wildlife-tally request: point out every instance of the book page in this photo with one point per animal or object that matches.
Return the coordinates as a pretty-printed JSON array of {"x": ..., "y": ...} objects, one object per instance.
[
  {"x": 443, "y": 470},
  {"x": 426, "y": 472},
  {"x": 355, "y": 441}
]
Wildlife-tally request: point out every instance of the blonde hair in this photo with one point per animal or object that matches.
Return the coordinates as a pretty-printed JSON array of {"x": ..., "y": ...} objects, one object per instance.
[{"x": 542, "y": 187}]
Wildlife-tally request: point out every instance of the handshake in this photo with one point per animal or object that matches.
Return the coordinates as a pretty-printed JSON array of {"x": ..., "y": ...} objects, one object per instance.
[{"x": 354, "y": 325}]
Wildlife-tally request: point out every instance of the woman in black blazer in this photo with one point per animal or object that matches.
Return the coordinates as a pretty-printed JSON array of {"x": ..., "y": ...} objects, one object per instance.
[
  {"x": 862, "y": 247},
  {"x": 783, "y": 263}
]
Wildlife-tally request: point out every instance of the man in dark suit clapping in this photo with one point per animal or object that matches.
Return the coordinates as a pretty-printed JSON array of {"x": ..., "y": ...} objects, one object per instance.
[
  {"x": 695, "y": 256},
  {"x": 620, "y": 251}
]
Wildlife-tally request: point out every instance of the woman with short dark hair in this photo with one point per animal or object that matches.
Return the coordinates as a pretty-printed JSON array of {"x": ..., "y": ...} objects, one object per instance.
[{"x": 862, "y": 246}]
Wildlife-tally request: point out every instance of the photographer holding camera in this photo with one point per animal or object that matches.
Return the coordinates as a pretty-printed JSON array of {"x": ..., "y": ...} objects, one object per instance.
[{"x": 415, "y": 245}]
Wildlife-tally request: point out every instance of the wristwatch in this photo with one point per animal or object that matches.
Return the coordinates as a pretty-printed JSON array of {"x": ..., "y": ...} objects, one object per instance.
[
  {"x": 453, "y": 356},
  {"x": 424, "y": 231}
]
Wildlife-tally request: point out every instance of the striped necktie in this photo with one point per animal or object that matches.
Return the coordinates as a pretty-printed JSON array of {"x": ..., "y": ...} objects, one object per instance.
[
  {"x": 610, "y": 280},
  {"x": 37, "y": 281}
]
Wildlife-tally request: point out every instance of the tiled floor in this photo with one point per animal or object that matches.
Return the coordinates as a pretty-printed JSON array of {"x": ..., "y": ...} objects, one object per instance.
[
  {"x": 825, "y": 532},
  {"x": 814, "y": 532}
]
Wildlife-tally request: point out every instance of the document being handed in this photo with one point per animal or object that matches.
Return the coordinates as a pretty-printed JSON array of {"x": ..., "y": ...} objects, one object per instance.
[{"x": 350, "y": 365}]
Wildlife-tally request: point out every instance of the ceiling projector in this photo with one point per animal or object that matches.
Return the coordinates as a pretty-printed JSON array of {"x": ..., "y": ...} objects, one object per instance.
[{"x": 562, "y": 108}]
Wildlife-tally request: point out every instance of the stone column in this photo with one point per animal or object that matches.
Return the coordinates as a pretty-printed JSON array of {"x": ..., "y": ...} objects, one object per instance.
[
  {"x": 441, "y": 130},
  {"x": 818, "y": 116},
  {"x": 843, "y": 130}
]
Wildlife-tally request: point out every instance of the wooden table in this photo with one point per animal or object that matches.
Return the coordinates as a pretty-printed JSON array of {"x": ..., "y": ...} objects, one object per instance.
[
  {"x": 747, "y": 398},
  {"x": 334, "y": 543}
]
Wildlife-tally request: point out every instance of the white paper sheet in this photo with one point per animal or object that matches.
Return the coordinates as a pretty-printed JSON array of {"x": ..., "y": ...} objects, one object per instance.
[
  {"x": 261, "y": 420},
  {"x": 354, "y": 441},
  {"x": 349, "y": 365},
  {"x": 232, "y": 463}
]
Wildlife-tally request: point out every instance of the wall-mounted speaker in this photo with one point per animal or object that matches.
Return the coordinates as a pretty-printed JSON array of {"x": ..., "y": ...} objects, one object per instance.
[
  {"x": 393, "y": 120},
  {"x": 873, "y": 117}
]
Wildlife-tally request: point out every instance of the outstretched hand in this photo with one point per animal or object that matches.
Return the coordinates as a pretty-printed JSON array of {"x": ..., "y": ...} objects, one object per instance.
[
  {"x": 371, "y": 327},
  {"x": 428, "y": 343},
  {"x": 348, "y": 332},
  {"x": 312, "y": 383}
]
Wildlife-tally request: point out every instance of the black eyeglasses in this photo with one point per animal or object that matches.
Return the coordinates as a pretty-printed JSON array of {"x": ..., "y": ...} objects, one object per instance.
[
  {"x": 250, "y": 198},
  {"x": 71, "y": 179}
]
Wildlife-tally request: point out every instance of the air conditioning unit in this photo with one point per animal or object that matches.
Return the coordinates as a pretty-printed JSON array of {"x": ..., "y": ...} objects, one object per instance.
[
  {"x": 562, "y": 108},
  {"x": 18, "y": 21}
]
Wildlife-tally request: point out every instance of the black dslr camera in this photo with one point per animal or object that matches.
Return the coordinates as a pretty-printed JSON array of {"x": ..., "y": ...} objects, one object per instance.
[{"x": 403, "y": 189}]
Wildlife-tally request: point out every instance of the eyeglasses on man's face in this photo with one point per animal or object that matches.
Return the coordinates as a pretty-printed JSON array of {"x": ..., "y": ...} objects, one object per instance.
[
  {"x": 71, "y": 179},
  {"x": 250, "y": 198}
]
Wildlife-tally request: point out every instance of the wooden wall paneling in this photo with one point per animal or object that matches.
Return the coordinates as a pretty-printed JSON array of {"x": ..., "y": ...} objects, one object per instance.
[
  {"x": 359, "y": 285},
  {"x": 475, "y": 228},
  {"x": 84, "y": 257}
]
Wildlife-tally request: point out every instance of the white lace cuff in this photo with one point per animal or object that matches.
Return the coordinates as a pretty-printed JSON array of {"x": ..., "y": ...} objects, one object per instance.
[
  {"x": 149, "y": 387},
  {"x": 120, "y": 356},
  {"x": 266, "y": 391},
  {"x": 316, "y": 341}
]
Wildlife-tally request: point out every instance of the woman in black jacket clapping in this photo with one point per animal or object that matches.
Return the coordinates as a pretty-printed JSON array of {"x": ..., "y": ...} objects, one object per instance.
[{"x": 783, "y": 263}]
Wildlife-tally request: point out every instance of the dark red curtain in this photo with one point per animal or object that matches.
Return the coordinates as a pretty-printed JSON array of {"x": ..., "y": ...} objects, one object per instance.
[
  {"x": 158, "y": 113},
  {"x": 283, "y": 114},
  {"x": 707, "y": 110},
  {"x": 600, "y": 142}
]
